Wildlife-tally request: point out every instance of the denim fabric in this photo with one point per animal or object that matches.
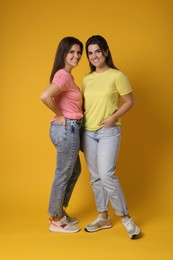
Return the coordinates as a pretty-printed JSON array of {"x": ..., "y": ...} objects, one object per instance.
[
  {"x": 67, "y": 141},
  {"x": 101, "y": 150}
]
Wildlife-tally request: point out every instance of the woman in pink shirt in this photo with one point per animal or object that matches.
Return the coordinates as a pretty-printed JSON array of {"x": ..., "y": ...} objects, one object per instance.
[{"x": 64, "y": 98}]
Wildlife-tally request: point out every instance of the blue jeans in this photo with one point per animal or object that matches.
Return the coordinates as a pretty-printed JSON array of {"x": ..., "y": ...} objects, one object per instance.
[
  {"x": 68, "y": 167},
  {"x": 101, "y": 150}
]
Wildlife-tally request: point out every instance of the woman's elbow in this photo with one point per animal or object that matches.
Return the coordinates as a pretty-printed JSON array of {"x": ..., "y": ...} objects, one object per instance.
[{"x": 43, "y": 97}]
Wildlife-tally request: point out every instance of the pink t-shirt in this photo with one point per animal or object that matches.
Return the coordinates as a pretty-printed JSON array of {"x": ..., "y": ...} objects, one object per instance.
[{"x": 69, "y": 101}]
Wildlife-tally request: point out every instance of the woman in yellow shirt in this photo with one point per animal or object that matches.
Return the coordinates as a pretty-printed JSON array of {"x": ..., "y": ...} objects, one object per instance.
[{"x": 103, "y": 89}]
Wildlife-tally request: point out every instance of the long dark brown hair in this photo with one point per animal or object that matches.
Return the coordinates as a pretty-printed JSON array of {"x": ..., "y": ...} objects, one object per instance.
[
  {"x": 61, "y": 53},
  {"x": 102, "y": 43}
]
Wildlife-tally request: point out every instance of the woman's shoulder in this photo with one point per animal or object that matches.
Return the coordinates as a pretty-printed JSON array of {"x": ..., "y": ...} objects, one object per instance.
[
  {"x": 62, "y": 73},
  {"x": 87, "y": 76},
  {"x": 62, "y": 77},
  {"x": 117, "y": 73}
]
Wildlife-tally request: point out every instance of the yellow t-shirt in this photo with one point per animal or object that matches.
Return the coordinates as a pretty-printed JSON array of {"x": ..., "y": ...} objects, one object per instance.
[{"x": 101, "y": 92}]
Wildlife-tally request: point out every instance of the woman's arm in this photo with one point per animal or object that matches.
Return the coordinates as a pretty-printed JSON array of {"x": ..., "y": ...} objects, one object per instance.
[
  {"x": 128, "y": 101},
  {"x": 47, "y": 96}
]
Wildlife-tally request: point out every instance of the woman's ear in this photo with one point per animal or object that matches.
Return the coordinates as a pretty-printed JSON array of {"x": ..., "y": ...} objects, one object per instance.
[{"x": 106, "y": 53}]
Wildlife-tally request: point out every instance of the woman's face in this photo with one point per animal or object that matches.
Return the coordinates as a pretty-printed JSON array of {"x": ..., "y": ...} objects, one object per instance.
[
  {"x": 73, "y": 57},
  {"x": 96, "y": 56}
]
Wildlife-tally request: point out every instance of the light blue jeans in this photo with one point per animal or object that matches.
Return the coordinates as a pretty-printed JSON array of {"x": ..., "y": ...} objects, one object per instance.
[
  {"x": 68, "y": 167},
  {"x": 101, "y": 150}
]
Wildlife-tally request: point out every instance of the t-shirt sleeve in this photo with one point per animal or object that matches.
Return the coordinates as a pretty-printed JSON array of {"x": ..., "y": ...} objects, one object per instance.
[
  {"x": 123, "y": 84},
  {"x": 62, "y": 81}
]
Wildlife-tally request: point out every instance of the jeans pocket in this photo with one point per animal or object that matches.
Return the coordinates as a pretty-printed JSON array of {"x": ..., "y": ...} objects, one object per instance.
[{"x": 57, "y": 133}]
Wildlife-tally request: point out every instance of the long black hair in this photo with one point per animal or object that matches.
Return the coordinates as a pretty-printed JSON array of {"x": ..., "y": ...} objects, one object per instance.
[
  {"x": 102, "y": 43},
  {"x": 61, "y": 53}
]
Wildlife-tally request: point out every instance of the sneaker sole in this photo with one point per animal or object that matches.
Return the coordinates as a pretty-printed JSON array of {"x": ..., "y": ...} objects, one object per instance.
[
  {"x": 97, "y": 229},
  {"x": 54, "y": 229},
  {"x": 136, "y": 234}
]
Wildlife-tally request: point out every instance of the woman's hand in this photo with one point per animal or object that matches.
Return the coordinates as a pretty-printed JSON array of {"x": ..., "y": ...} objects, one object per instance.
[
  {"x": 127, "y": 104},
  {"x": 60, "y": 120},
  {"x": 108, "y": 122}
]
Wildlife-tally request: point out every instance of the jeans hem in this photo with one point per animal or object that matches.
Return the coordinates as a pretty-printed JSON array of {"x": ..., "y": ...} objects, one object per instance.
[{"x": 54, "y": 215}]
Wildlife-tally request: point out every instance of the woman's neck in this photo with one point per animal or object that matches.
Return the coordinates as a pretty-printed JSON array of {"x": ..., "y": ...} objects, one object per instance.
[{"x": 102, "y": 69}]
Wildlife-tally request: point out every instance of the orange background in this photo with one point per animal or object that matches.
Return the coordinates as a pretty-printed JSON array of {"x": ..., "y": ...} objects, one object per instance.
[{"x": 140, "y": 36}]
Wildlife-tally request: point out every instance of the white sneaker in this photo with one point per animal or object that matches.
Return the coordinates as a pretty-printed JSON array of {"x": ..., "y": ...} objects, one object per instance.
[
  {"x": 98, "y": 224},
  {"x": 132, "y": 229},
  {"x": 62, "y": 226}
]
